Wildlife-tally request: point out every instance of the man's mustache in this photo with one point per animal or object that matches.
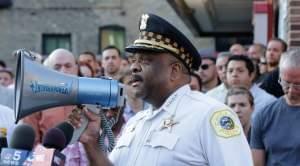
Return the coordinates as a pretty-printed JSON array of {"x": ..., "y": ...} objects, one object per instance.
[{"x": 135, "y": 78}]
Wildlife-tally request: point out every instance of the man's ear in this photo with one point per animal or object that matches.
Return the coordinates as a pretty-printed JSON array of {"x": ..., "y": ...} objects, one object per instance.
[
  {"x": 176, "y": 69},
  {"x": 252, "y": 76}
]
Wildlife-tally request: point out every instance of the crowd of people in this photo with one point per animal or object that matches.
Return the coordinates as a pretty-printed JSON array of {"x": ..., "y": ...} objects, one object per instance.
[{"x": 181, "y": 108}]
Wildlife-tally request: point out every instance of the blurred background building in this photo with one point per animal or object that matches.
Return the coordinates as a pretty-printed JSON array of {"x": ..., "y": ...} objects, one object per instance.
[
  {"x": 81, "y": 25},
  {"x": 78, "y": 25}
]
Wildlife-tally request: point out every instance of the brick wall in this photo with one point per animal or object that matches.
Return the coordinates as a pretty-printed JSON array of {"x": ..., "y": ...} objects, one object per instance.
[
  {"x": 294, "y": 23},
  {"x": 22, "y": 25}
]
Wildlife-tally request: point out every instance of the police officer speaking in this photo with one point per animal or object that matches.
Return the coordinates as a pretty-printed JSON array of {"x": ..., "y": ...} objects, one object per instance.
[{"x": 183, "y": 127}]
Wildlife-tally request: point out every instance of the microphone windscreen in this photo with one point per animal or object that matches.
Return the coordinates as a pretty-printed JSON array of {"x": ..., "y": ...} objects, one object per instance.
[
  {"x": 22, "y": 138},
  {"x": 67, "y": 129},
  {"x": 54, "y": 138}
]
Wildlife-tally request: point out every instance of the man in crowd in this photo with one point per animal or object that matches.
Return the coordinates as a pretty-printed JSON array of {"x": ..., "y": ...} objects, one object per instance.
[
  {"x": 237, "y": 49},
  {"x": 275, "y": 48},
  {"x": 275, "y": 137},
  {"x": 208, "y": 73},
  {"x": 270, "y": 83},
  {"x": 256, "y": 51},
  {"x": 220, "y": 91},
  {"x": 241, "y": 73},
  {"x": 111, "y": 61},
  {"x": 6, "y": 77},
  {"x": 183, "y": 127}
]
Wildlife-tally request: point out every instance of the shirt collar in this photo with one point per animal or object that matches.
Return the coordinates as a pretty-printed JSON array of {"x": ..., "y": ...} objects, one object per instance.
[
  {"x": 127, "y": 109},
  {"x": 173, "y": 100}
]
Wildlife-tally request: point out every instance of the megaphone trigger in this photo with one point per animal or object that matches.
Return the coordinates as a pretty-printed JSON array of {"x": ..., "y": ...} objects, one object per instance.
[
  {"x": 83, "y": 119},
  {"x": 78, "y": 131}
]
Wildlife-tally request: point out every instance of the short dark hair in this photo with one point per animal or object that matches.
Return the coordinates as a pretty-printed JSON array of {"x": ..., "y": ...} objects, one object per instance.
[
  {"x": 240, "y": 91},
  {"x": 193, "y": 73},
  {"x": 88, "y": 53},
  {"x": 249, "y": 64},
  {"x": 2, "y": 63},
  {"x": 80, "y": 74},
  {"x": 213, "y": 59},
  {"x": 8, "y": 71},
  {"x": 112, "y": 47},
  {"x": 283, "y": 43}
]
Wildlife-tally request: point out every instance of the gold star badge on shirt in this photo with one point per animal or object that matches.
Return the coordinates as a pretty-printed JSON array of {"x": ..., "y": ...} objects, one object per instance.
[{"x": 168, "y": 123}]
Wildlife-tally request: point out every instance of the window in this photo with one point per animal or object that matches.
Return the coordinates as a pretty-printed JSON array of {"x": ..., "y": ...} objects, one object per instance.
[
  {"x": 224, "y": 43},
  {"x": 109, "y": 3},
  {"x": 112, "y": 35},
  {"x": 5, "y": 3},
  {"x": 54, "y": 41}
]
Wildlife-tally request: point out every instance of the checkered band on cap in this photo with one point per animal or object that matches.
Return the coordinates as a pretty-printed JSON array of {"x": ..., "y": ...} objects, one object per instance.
[{"x": 158, "y": 41}]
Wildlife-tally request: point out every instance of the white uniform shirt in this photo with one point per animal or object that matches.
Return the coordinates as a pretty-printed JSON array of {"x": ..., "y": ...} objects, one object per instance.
[
  {"x": 219, "y": 93},
  {"x": 7, "y": 97},
  {"x": 7, "y": 120},
  {"x": 181, "y": 133}
]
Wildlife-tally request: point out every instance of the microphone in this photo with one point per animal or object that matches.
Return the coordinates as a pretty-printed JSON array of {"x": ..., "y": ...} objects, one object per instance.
[
  {"x": 54, "y": 138},
  {"x": 67, "y": 129},
  {"x": 49, "y": 154},
  {"x": 20, "y": 146}
]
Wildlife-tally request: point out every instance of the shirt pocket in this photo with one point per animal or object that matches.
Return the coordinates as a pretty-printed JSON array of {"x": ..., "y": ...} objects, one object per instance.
[
  {"x": 125, "y": 140},
  {"x": 163, "y": 140},
  {"x": 160, "y": 146}
]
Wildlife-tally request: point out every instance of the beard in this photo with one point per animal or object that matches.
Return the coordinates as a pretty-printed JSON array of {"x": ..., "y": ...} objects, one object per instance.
[{"x": 273, "y": 63}]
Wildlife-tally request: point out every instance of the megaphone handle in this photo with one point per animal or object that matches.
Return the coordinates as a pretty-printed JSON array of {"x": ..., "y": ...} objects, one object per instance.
[
  {"x": 84, "y": 122},
  {"x": 78, "y": 131}
]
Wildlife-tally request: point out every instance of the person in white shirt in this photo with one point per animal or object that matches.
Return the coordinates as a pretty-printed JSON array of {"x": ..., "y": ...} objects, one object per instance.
[
  {"x": 7, "y": 97},
  {"x": 7, "y": 120}
]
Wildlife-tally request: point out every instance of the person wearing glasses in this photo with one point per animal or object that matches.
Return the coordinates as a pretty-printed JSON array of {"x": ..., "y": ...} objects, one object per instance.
[
  {"x": 208, "y": 73},
  {"x": 275, "y": 137},
  {"x": 221, "y": 90}
]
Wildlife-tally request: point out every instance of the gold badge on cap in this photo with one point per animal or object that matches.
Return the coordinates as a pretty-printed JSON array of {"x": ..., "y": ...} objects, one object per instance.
[{"x": 144, "y": 20}]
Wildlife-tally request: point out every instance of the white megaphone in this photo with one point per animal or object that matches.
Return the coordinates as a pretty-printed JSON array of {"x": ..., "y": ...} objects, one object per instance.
[{"x": 38, "y": 88}]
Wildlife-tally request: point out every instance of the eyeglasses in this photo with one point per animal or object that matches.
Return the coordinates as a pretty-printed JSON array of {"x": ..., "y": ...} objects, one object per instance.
[
  {"x": 286, "y": 85},
  {"x": 205, "y": 66}
]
